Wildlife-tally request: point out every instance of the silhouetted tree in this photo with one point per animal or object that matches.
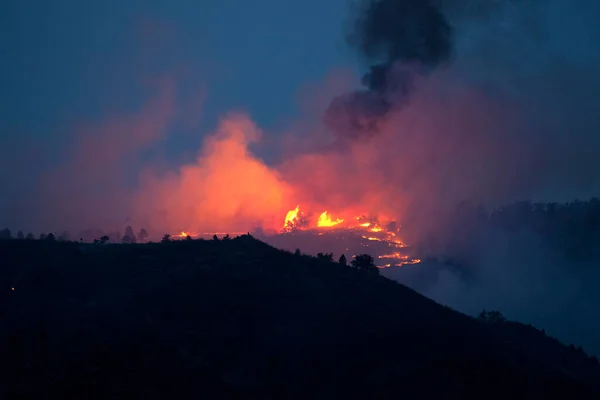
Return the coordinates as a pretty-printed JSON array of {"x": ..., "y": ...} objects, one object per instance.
[
  {"x": 20, "y": 235},
  {"x": 129, "y": 232},
  {"x": 89, "y": 235},
  {"x": 297, "y": 253},
  {"x": 166, "y": 238},
  {"x": 51, "y": 237},
  {"x": 64, "y": 237},
  {"x": 301, "y": 221},
  {"x": 327, "y": 257},
  {"x": 43, "y": 236},
  {"x": 365, "y": 262},
  {"x": 188, "y": 237},
  {"x": 5, "y": 234},
  {"x": 104, "y": 239},
  {"x": 494, "y": 317},
  {"x": 342, "y": 260},
  {"x": 226, "y": 237},
  {"x": 143, "y": 235},
  {"x": 30, "y": 236},
  {"x": 215, "y": 238}
]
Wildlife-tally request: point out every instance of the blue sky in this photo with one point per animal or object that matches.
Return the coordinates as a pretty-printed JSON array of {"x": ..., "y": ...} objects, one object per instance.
[
  {"x": 68, "y": 64},
  {"x": 69, "y": 60}
]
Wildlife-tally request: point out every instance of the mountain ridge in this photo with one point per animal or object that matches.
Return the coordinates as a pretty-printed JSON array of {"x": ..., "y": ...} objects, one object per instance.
[{"x": 241, "y": 318}]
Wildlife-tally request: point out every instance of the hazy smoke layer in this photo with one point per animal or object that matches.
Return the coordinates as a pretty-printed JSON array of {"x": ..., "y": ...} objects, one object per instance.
[{"x": 512, "y": 115}]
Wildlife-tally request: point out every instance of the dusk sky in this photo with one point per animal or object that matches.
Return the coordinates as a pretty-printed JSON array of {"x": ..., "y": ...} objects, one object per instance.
[
  {"x": 66, "y": 59},
  {"x": 69, "y": 63},
  {"x": 106, "y": 106}
]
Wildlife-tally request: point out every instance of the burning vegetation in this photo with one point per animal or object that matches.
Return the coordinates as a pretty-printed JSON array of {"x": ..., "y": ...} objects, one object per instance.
[
  {"x": 360, "y": 230},
  {"x": 344, "y": 233}
]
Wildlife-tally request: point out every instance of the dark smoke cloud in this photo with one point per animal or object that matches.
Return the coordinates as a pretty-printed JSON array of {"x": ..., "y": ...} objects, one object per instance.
[
  {"x": 508, "y": 111},
  {"x": 399, "y": 39},
  {"x": 495, "y": 101},
  {"x": 404, "y": 31}
]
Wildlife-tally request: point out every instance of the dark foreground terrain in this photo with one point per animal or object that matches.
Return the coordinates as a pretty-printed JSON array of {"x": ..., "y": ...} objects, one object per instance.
[{"x": 238, "y": 318}]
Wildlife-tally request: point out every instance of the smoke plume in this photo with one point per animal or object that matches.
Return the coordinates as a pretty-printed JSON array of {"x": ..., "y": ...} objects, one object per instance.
[
  {"x": 400, "y": 39},
  {"x": 481, "y": 101},
  {"x": 506, "y": 109}
]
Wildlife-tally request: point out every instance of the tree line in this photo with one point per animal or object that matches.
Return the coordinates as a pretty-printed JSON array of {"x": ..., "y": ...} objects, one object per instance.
[
  {"x": 572, "y": 229},
  {"x": 362, "y": 262},
  {"x": 95, "y": 236}
]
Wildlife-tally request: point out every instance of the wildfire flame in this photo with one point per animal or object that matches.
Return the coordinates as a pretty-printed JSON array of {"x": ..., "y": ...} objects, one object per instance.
[
  {"x": 374, "y": 239},
  {"x": 325, "y": 220},
  {"x": 296, "y": 220},
  {"x": 368, "y": 228},
  {"x": 291, "y": 217},
  {"x": 183, "y": 235},
  {"x": 394, "y": 255},
  {"x": 401, "y": 264}
]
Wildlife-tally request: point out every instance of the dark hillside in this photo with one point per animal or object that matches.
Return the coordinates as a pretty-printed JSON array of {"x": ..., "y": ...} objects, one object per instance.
[{"x": 191, "y": 319}]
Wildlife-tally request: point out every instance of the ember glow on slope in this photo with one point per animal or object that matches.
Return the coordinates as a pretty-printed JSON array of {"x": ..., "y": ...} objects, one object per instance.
[
  {"x": 368, "y": 229},
  {"x": 355, "y": 234}
]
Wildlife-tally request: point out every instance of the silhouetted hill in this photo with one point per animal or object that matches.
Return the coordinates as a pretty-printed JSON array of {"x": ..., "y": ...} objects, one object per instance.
[{"x": 238, "y": 318}]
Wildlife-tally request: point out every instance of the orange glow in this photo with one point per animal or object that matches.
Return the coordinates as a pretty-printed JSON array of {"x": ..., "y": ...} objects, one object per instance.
[
  {"x": 227, "y": 188},
  {"x": 393, "y": 255},
  {"x": 184, "y": 234},
  {"x": 325, "y": 220},
  {"x": 403, "y": 263},
  {"x": 365, "y": 185},
  {"x": 398, "y": 243},
  {"x": 291, "y": 217}
]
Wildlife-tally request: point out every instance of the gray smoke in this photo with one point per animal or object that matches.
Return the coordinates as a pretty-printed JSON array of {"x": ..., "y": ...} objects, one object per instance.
[{"x": 489, "y": 102}]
